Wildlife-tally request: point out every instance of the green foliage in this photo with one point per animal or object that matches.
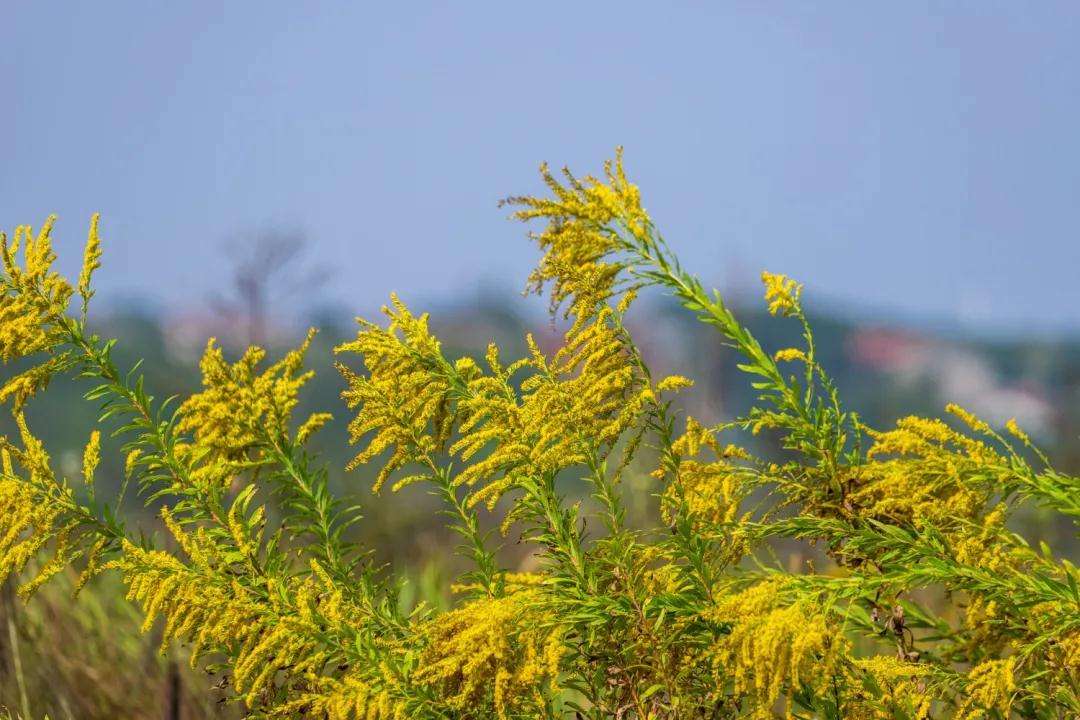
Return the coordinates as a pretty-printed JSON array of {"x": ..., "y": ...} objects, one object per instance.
[{"x": 926, "y": 603}]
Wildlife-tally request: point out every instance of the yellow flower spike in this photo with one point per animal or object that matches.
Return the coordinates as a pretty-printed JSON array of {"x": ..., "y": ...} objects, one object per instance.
[
  {"x": 626, "y": 301},
  {"x": 990, "y": 686},
  {"x": 790, "y": 355},
  {"x": 91, "y": 261},
  {"x": 33, "y": 456},
  {"x": 93, "y": 565},
  {"x": 508, "y": 644},
  {"x": 1014, "y": 429},
  {"x": 311, "y": 426},
  {"x": 402, "y": 402},
  {"x": 20, "y": 388},
  {"x": 131, "y": 460},
  {"x": 968, "y": 418},
  {"x": 578, "y": 246},
  {"x": 33, "y": 297},
  {"x": 91, "y": 458},
  {"x": 238, "y": 408},
  {"x": 674, "y": 383},
  {"x": 782, "y": 293},
  {"x": 772, "y": 645}
]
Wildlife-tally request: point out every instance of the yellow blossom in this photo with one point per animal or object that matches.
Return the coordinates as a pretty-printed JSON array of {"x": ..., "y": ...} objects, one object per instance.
[
  {"x": 91, "y": 260},
  {"x": 23, "y": 386},
  {"x": 403, "y": 401},
  {"x": 674, "y": 383},
  {"x": 901, "y": 684},
  {"x": 968, "y": 418},
  {"x": 312, "y": 425},
  {"x": 590, "y": 387},
  {"x": 33, "y": 297},
  {"x": 990, "y": 686},
  {"x": 1016, "y": 432},
  {"x": 708, "y": 492},
  {"x": 503, "y": 645},
  {"x": 91, "y": 457},
  {"x": 579, "y": 245},
  {"x": 772, "y": 645},
  {"x": 131, "y": 460},
  {"x": 782, "y": 293},
  {"x": 240, "y": 409},
  {"x": 790, "y": 355}
]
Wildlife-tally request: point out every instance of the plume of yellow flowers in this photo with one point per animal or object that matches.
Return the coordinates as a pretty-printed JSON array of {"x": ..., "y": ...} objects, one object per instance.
[
  {"x": 583, "y": 398},
  {"x": 34, "y": 296},
  {"x": 34, "y": 299},
  {"x": 404, "y": 400},
  {"x": 578, "y": 242},
  {"x": 33, "y": 511},
  {"x": 709, "y": 492},
  {"x": 20, "y": 387},
  {"x": 773, "y": 646},
  {"x": 240, "y": 410},
  {"x": 990, "y": 686},
  {"x": 901, "y": 686},
  {"x": 91, "y": 458},
  {"x": 91, "y": 262},
  {"x": 27, "y": 525},
  {"x": 283, "y": 631},
  {"x": 925, "y": 471},
  {"x": 782, "y": 293},
  {"x": 350, "y": 697},
  {"x": 506, "y": 646}
]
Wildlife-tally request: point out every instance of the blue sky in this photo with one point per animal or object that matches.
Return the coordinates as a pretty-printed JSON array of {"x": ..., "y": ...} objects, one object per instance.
[{"x": 914, "y": 159}]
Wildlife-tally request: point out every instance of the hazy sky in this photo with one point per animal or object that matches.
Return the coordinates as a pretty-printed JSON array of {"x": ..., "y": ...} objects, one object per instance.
[{"x": 920, "y": 159}]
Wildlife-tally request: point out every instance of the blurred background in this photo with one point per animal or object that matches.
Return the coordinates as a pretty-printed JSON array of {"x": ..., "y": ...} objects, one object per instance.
[{"x": 263, "y": 167}]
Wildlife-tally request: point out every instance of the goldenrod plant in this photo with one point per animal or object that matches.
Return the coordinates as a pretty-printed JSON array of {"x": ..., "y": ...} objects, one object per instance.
[{"x": 924, "y": 603}]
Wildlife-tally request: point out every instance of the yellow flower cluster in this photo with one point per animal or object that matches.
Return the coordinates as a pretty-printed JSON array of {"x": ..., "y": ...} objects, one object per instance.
[
  {"x": 790, "y": 355},
  {"x": 659, "y": 623},
  {"x": 674, "y": 383},
  {"x": 203, "y": 606},
  {"x": 403, "y": 401},
  {"x": 506, "y": 646},
  {"x": 990, "y": 686},
  {"x": 349, "y": 697},
  {"x": 91, "y": 457},
  {"x": 1067, "y": 654},
  {"x": 30, "y": 515},
  {"x": 969, "y": 418},
  {"x": 33, "y": 296},
  {"x": 773, "y": 646},
  {"x": 926, "y": 471},
  {"x": 1016, "y": 432},
  {"x": 33, "y": 301},
  {"x": 26, "y": 523},
  {"x": 709, "y": 492},
  {"x": 901, "y": 686},
  {"x": 21, "y": 387},
  {"x": 983, "y": 625},
  {"x": 239, "y": 410},
  {"x": 578, "y": 240},
  {"x": 1059, "y": 628},
  {"x": 782, "y": 293},
  {"x": 583, "y": 398},
  {"x": 981, "y": 547},
  {"x": 91, "y": 261}
]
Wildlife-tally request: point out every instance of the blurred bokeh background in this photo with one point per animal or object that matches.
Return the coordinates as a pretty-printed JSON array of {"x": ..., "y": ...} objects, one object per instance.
[{"x": 263, "y": 167}]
